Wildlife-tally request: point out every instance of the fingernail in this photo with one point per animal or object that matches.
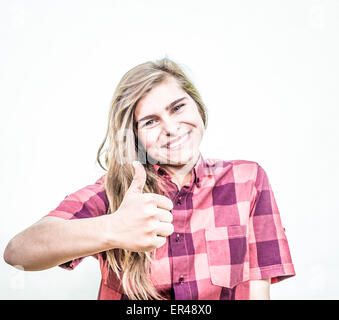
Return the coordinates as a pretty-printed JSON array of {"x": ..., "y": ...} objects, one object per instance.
[{"x": 134, "y": 163}]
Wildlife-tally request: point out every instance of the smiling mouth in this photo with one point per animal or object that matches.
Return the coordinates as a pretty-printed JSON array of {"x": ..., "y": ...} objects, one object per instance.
[{"x": 177, "y": 142}]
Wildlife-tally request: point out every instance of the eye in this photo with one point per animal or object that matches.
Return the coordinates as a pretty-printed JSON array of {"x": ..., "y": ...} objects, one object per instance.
[
  {"x": 148, "y": 123},
  {"x": 176, "y": 108}
]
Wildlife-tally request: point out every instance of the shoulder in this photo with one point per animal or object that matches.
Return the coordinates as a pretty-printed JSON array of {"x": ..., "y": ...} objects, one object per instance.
[
  {"x": 91, "y": 190},
  {"x": 88, "y": 201},
  {"x": 101, "y": 180},
  {"x": 242, "y": 170},
  {"x": 225, "y": 162},
  {"x": 91, "y": 197}
]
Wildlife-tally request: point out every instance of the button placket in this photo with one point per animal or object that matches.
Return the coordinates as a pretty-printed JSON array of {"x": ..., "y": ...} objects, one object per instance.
[
  {"x": 179, "y": 199},
  {"x": 178, "y": 243}
]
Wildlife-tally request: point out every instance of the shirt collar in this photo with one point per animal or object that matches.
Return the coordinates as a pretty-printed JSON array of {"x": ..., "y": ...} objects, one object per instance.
[{"x": 199, "y": 170}]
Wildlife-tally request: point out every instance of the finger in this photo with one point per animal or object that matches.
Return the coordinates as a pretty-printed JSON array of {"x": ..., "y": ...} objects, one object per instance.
[
  {"x": 163, "y": 215},
  {"x": 139, "y": 178},
  {"x": 164, "y": 229},
  {"x": 162, "y": 201},
  {"x": 160, "y": 241}
]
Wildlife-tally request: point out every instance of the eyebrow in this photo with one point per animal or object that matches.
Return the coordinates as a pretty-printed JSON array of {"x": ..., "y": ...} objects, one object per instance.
[{"x": 167, "y": 107}]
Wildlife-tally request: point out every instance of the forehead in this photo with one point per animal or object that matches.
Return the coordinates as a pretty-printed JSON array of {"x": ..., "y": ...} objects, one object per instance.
[{"x": 159, "y": 97}]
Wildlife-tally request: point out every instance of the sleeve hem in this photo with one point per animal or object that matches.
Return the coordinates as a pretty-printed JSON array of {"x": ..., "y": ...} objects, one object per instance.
[
  {"x": 70, "y": 265},
  {"x": 276, "y": 272}
]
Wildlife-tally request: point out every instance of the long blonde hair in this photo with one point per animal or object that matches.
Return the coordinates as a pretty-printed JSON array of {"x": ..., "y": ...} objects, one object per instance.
[{"x": 123, "y": 147}]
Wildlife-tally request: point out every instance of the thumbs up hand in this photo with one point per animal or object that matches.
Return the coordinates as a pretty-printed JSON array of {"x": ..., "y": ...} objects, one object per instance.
[{"x": 143, "y": 220}]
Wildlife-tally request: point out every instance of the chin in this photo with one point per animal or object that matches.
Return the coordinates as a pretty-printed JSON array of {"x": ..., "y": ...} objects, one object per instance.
[{"x": 177, "y": 159}]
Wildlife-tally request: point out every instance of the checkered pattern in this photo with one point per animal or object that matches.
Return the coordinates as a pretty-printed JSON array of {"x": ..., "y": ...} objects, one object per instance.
[{"x": 227, "y": 231}]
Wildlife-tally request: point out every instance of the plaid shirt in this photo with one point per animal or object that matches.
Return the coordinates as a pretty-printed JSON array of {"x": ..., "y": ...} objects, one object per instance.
[{"x": 227, "y": 231}]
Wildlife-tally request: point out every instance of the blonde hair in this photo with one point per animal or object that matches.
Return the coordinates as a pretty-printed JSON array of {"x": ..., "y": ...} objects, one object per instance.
[{"x": 123, "y": 147}]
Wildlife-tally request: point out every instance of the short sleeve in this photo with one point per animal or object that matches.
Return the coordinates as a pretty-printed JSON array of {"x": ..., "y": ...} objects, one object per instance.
[
  {"x": 269, "y": 252},
  {"x": 87, "y": 202}
]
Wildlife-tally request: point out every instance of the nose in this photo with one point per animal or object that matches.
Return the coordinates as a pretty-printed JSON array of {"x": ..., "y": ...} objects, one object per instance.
[{"x": 170, "y": 127}]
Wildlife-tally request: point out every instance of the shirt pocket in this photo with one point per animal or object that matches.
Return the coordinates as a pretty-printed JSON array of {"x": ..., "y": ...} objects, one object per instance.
[{"x": 226, "y": 249}]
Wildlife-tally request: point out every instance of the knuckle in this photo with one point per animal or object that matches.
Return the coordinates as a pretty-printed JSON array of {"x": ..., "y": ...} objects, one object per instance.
[
  {"x": 150, "y": 243},
  {"x": 148, "y": 198},
  {"x": 148, "y": 210},
  {"x": 170, "y": 203},
  {"x": 150, "y": 227},
  {"x": 153, "y": 213}
]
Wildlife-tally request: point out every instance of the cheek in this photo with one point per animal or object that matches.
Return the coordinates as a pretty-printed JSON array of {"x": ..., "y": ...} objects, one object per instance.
[
  {"x": 199, "y": 123},
  {"x": 194, "y": 116},
  {"x": 148, "y": 139},
  {"x": 202, "y": 127}
]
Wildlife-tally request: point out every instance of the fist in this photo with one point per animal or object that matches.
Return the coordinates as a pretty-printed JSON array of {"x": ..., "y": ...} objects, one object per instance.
[{"x": 143, "y": 219}]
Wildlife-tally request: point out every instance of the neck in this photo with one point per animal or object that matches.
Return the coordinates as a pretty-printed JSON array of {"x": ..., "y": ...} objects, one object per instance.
[{"x": 181, "y": 174}]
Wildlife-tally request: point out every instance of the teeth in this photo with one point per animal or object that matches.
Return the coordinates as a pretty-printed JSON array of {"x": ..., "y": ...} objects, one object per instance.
[{"x": 178, "y": 142}]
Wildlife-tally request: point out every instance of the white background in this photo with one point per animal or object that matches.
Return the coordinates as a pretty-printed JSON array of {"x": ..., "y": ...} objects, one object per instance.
[{"x": 267, "y": 72}]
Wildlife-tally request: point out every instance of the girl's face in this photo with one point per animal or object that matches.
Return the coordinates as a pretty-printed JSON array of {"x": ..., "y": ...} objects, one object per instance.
[{"x": 169, "y": 125}]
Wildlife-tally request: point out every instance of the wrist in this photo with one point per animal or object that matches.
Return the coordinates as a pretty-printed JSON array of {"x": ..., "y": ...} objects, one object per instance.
[{"x": 110, "y": 233}]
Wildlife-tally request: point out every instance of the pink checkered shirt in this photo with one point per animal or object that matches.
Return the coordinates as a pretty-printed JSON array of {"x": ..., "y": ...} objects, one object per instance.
[{"x": 227, "y": 231}]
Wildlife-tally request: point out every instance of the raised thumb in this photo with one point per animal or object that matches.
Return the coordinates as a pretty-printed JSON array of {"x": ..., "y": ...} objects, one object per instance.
[{"x": 139, "y": 177}]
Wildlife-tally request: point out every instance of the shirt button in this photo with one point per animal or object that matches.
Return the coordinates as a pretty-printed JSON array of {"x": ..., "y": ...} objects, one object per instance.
[
  {"x": 181, "y": 278},
  {"x": 179, "y": 201},
  {"x": 177, "y": 238}
]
